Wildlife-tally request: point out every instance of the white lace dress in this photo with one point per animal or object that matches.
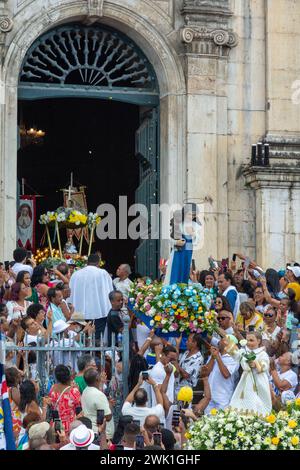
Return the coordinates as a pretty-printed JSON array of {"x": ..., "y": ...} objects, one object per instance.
[{"x": 253, "y": 390}]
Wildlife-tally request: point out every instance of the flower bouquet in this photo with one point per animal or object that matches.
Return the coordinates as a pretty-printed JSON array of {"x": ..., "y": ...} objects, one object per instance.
[
  {"x": 234, "y": 430},
  {"x": 176, "y": 309},
  {"x": 69, "y": 218},
  {"x": 141, "y": 300}
]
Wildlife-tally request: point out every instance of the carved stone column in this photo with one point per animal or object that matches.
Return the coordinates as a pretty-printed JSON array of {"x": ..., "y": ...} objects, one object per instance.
[
  {"x": 208, "y": 40},
  {"x": 277, "y": 194}
]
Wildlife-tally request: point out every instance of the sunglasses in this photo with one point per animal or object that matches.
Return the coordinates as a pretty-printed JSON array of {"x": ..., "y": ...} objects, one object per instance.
[
  {"x": 218, "y": 302},
  {"x": 268, "y": 315},
  {"x": 223, "y": 318}
]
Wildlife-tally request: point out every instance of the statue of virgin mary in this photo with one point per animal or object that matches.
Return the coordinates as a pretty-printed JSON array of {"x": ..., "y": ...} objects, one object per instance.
[{"x": 185, "y": 236}]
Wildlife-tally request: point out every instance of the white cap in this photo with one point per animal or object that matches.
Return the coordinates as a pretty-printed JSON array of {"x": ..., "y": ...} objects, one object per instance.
[
  {"x": 60, "y": 326},
  {"x": 295, "y": 270}
]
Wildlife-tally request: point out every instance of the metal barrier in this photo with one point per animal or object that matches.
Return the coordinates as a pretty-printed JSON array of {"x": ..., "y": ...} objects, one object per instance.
[{"x": 51, "y": 351}]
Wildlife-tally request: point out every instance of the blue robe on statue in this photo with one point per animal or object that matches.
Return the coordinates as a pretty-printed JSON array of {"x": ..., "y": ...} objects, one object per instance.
[
  {"x": 182, "y": 260},
  {"x": 179, "y": 264}
]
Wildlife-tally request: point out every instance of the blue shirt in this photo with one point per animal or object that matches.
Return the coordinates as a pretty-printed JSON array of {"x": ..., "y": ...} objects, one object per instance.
[{"x": 231, "y": 296}]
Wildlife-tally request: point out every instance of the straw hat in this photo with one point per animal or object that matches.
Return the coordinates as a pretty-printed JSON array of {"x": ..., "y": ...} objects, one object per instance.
[
  {"x": 39, "y": 430},
  {"x": 78, "y": 317}
]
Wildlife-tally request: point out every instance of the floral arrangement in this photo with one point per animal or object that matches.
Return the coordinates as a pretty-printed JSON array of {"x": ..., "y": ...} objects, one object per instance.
[
  {"x": 234, "y": 430},
  {"x": 142, "y": 296},
  {"x": 93, "y": 219},
  {"x": 70, "y": 218},
  {"x": 177, "y": 308}
]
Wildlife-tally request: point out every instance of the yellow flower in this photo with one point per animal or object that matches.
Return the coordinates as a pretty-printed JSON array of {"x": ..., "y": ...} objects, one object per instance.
[
  {"x": 241, "y": 434},
  {"x": 271, "y": 419},
  {"x": 295, "y": 440},
  {"x": 187, "y": 435},
  {"x": 174, "y": 306},
  {"x": 267, "y": 441},
  {"x": 185, "y": 394},
  {"x": 214, "y": 412},
  {"x": 275, "y": 441},
  {"x": 192, "y": 318},
  {"x": 292, "y": 424},
  {"x": 157, "y": 318},
  {"x": 297, "y": 401}
]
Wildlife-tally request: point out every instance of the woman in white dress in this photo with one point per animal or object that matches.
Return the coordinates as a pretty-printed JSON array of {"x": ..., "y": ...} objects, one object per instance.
[{"x": 253, "y": 390}]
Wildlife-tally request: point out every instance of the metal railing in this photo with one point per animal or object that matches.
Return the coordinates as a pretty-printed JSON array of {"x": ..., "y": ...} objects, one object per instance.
[{"x": 51, "y": 351}]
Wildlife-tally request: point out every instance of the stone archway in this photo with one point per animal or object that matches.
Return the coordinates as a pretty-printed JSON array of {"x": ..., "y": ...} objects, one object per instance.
[{"x": 130, "y": 19}]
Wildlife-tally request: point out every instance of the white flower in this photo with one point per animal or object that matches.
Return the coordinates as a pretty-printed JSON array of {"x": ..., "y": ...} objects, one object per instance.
[
  {"x": 243, "y": 343},
  {"x": 152, "y": 323},
  {"x": 228, "y": 427},
  {"x": 208, "y": 444},
  {"x": 223, "y": 440}
]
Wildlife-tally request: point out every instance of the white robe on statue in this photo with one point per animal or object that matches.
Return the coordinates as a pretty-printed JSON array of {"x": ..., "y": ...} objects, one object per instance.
[
  {"x": 254, "y": 397},
  {"x": 90, "y": 288}
]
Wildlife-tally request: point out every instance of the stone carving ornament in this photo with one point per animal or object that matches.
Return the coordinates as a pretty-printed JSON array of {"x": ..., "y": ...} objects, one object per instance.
[
  {"x": 6, "y": 24},
  {"x": 206, "y": 29}
]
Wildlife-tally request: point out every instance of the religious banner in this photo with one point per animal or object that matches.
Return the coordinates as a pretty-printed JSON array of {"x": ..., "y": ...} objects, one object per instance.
[
  {"x": 77, "y": 200},
  {"x": 26, "y": 220}
]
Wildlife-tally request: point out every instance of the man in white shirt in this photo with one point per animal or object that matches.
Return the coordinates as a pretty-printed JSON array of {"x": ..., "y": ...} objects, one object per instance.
[
  {"x": 90, "y": 288},
  {"x": 169, "y": 356},
  {"x": 92, "y": 399},
  {"x": 20, "y": 257},
  {"x": 75, "y": 425},
  {"x": 122, "y": 282},
  {"x": 284, "y": 378},
  {"x": 223, "y": 375},
  {"x": 136, "y": 403}
]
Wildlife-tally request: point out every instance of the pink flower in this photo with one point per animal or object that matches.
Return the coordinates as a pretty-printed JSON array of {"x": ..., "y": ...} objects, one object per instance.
[
  {"x": 175, "y": 326},
  {"x": 147, "y": 307}
]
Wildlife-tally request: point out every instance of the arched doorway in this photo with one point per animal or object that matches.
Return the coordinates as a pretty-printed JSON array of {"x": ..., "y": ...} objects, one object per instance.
[{"x": 102, "y": 76}]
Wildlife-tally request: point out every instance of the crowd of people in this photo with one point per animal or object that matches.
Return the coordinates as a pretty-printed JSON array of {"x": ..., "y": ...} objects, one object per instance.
[{"x": 258, "y": 313}]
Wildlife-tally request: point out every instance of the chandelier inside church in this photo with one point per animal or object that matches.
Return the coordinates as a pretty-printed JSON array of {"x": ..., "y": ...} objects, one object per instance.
[{"x": 31, "y": 136}]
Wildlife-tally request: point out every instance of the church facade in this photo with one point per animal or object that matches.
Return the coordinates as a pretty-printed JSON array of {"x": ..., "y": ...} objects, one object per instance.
[{"x": 228, "y": 75}]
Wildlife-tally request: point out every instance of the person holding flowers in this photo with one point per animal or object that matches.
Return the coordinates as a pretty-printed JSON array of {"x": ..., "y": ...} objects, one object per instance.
[{"x": 253, "y": 390}]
